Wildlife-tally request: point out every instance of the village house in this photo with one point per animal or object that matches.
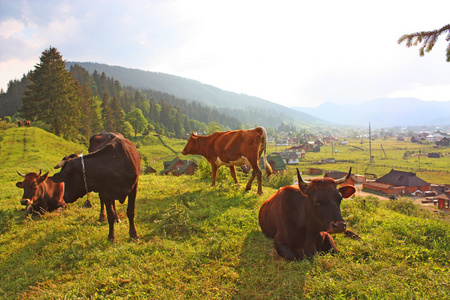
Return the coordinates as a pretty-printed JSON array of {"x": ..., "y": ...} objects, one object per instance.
[
  {"x": 444, "y": 142},
  {"x": 290, "y": 157},
  {"x": 178, "y": 167},
  {"x": 443, "y": 201},
  {"x": 276, "y": 163},
  {"x": 398, "y": 183}
]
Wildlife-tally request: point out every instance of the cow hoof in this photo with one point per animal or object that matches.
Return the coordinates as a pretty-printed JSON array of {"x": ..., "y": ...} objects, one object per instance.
[{"x": 87, "y": 204}]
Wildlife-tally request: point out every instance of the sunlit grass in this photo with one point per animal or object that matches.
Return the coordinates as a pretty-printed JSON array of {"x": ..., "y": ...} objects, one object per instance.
[{"x": 203, "y": 242}]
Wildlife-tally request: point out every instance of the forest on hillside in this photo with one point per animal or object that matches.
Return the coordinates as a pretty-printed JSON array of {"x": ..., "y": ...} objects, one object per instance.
[{"x": 106, "y": 104}]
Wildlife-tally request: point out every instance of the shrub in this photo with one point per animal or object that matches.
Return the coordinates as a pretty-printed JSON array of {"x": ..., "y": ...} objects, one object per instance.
[
  {"x": 277, "y": 181},
  {"x": 404, "y": 206}
]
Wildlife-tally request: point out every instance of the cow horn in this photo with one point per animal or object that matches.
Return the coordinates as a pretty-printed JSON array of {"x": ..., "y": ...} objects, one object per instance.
[
  {"x": 40, "y": 172},
  {"x": 345, "y": 178},
  {"x": 300, "y": 180},
  {"x": 20, "y": 174}
]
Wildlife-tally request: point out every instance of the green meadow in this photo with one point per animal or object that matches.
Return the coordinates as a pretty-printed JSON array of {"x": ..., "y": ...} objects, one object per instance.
[{"x": 203, "y": 242}]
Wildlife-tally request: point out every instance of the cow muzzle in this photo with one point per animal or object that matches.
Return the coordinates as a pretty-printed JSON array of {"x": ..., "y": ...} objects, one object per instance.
[
  {"x": 25, "y": 202},
  {"x": 338, "y": 227}
]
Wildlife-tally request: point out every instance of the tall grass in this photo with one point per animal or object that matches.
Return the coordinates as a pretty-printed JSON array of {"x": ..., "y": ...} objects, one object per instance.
[{"x": 203, "y": 242}]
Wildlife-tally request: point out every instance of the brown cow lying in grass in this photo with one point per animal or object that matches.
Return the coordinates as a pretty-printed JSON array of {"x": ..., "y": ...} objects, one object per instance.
[{"x": 301, "y": 218}]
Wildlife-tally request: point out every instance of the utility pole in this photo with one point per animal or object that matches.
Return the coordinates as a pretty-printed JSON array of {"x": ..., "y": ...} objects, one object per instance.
[{"x": 370, "y": 150}]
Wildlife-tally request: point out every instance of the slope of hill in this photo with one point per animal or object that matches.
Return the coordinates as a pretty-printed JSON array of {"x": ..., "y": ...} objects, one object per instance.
[
  {"x": 384, "y": 112},
  {"x": 249, "y": 109},
  {"x": 30, "y": 149}
]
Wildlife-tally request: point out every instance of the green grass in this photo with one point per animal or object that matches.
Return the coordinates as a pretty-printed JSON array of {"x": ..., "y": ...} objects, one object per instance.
[{"x": 203, "y": 242}]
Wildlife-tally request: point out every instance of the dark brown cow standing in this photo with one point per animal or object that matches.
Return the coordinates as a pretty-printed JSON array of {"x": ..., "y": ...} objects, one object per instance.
[
  {"x": 19, "y": 123},
  {"x": 232, "y": 148},
  {"x": 40, "y": 193},
  {"x": 301, "y": 218},
  {"x": 112, "y": 171},
  {"x": 96, "y": 142}
]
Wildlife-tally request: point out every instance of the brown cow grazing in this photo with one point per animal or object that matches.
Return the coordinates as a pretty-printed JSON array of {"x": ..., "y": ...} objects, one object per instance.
[
  {"x": 232, "y": 148},
  {"x": 27, "y": 123},
  {"x": 300, "y": 219},
  {"x": 112, "y": 171},
  {"x": 40, "y": 193}
]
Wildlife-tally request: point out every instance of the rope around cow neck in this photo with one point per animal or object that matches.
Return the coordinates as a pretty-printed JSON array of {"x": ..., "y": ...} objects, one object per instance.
[{"x": 84, "y": 176}]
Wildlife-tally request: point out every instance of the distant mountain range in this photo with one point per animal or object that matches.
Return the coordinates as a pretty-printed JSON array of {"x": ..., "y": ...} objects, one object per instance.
[
  {"x": 381, "y": 112},
  {"x": 247, "y": 109},
  {"x": 384, "y": 112}
]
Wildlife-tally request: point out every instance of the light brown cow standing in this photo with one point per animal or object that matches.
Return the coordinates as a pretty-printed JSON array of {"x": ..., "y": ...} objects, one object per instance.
[{"x": 232, "y": 148}]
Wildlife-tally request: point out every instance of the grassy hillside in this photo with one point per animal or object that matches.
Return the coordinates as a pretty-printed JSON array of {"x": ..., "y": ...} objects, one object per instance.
[{"x": 202, "y": 242}]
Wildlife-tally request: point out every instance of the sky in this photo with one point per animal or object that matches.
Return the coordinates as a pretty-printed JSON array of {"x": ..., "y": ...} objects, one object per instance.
[{"x": 294, "y": 53}]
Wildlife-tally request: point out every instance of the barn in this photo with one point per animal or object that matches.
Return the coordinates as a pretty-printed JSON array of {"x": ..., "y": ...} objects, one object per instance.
[
  {"x": 408, "y": 180},
  {"x": 178, "y": 167}
]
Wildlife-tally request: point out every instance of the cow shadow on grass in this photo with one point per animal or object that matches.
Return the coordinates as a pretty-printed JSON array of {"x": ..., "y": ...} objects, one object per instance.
[{"x": 265, "y": 275}]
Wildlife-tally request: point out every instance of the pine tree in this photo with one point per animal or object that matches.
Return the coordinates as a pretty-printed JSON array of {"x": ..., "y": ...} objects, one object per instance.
[
  {"x": 107, "y": 117},
  {"x": 90, "y": 119},
  {"x": 429, "y": 39},
  {"x": 51, "y": 95},
  {"x": 118, "y": 115}
]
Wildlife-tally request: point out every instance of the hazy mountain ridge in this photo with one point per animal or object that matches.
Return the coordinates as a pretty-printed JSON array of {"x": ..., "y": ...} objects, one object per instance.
[
  {"x": 267, "y": 114},
  {"x": 384, "y": 112}
]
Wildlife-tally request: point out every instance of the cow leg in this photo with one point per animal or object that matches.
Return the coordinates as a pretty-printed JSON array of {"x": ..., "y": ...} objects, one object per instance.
[
  {"x": 130, "y": 212},
  {"x": 102, "y": 217},
  {"x": 351, "y": 234},
  {"x": 233, "y": 174},
  {"x": 283, "y": 250},
  {"x": 249, "y": 184},
  {"x": 256, "y": 173},
  {"x": 214, "y": 173},
  {"x": 325, "y": 243},
  {"x": 109, "y": 204}
]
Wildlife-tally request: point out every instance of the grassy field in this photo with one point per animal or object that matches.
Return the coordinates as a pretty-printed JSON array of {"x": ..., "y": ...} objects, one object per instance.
[{"x": 202, "y": 242}]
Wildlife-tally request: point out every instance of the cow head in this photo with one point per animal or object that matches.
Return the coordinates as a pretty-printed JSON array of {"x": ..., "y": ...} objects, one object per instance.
[
  {"x": 325, "y": 200},
  {"x": 64, "y": 160},
  {"x": 192, "y": 146},
  {"x": 33, "y": 191},
  {"x": 72, "y": 175}
]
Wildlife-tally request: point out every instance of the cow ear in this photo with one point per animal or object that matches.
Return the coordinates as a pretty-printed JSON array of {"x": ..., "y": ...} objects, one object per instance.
[
  {"x": 42, "y": 178},
  {"x": 19, "y": 184},
  {"x": 347, "y": 191}
]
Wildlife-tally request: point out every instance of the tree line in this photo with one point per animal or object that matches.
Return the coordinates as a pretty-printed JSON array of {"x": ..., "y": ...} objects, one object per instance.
[{"x": 75, "y": 104}]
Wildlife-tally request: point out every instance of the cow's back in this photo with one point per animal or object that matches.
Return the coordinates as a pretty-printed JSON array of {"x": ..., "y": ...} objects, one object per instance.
[{"x": 279, "y": 211}]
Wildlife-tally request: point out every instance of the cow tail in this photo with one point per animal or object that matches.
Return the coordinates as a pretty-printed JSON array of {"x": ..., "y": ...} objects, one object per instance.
[{"x": 267, "y": 166}]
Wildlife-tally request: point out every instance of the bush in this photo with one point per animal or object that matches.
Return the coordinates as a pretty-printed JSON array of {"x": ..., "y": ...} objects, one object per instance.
[
  {"x": 404, "y": 206},
  {"x": 277, "y": 181}
]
